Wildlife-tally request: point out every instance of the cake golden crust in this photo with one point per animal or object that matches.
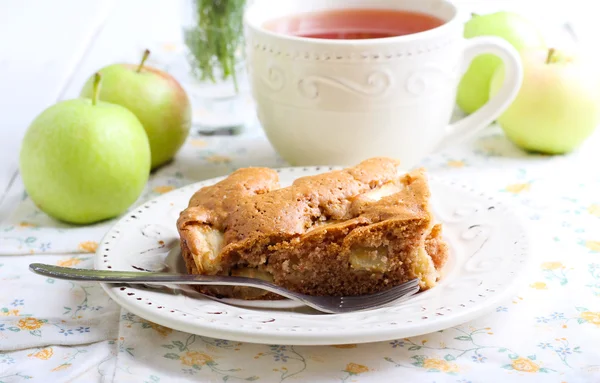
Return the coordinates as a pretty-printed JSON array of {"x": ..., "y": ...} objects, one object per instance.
[{"x": 347, "y": 232}]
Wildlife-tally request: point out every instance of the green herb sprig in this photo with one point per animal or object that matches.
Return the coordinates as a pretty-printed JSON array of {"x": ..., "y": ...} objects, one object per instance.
[{"x": 215, "y": 41}]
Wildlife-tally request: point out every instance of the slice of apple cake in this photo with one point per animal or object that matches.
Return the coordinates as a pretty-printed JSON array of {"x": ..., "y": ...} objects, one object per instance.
[{"x": 354, "y": 231}]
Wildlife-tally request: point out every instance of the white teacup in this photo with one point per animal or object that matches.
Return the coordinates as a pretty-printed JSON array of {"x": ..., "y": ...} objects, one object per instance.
[{"x": 325, "y": 101}]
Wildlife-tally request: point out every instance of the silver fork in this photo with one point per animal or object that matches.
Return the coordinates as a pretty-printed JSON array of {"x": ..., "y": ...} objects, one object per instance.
[{"x": 327, "y": 304}]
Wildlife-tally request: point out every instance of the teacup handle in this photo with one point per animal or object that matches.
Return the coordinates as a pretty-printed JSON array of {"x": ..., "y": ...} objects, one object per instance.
[{"x": 468, "y": 126}]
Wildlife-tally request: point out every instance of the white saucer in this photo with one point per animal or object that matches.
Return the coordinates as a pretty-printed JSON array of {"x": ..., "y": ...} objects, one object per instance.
[{"x": 489, "y": 255}]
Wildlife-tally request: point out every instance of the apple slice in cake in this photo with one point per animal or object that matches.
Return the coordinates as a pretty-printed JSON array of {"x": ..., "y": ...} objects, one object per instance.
[{"x": 354, "y": 231}]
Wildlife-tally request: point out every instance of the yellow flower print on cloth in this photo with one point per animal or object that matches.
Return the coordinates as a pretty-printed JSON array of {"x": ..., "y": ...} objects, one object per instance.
[
  {"x": 5, "y": 312},
  {"x": 88, "y": 246},
  {"x": 162, "y": 189},
  {"x": 591, "y": 317},
  {"x": 539, "y": 285},
  {"x": 197, "y": 143},
  {"x": 555, "y": 271},
  {"x": 68, "y": 262},
  {"x": 594, "y": 210},
  {"x": 26, "y": 225},
  {"x": 218, "y": 159},
  {"x": 355, "y": 368},
  {"x": 594, "y": 246},
  {"x": 435, "y": 364},
  {"x": 30, "y": 324},
  {"x": 195, "y": 358},
  {"x": 518, "y": 188},
  {"x": 440, "y": 365},
  {"x": 63, "y": 366},
  {"x": 552, "y": 265},
  {"x": 455, "y": 164},
  {"x": 525, "y": 364},
  {"x": 162, "y": 330},
  {"x": 43, "y": 354}
]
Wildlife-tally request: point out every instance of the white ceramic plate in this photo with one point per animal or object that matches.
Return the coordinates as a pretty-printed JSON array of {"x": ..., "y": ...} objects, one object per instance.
[{"x": 489, "y": 255}]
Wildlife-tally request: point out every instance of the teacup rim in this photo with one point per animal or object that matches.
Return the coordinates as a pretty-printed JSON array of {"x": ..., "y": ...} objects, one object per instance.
[{"x": 259, "y": 27}]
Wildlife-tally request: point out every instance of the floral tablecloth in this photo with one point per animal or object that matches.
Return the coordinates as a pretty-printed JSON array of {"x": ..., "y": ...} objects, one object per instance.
[{"x": 58, "y": 331}]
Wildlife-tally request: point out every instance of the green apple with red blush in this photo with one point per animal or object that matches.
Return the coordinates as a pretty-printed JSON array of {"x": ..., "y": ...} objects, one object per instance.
[
  {"x": 558, "y": 105},
  {"x": 156, "y": 99}
]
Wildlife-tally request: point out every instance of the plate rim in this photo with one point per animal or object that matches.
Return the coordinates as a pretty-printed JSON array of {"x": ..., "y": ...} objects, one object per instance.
[{"x": 315, "y": 339}]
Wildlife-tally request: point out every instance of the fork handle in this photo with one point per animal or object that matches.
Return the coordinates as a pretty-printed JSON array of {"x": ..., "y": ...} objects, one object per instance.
[{"x": 110, "y": 276}]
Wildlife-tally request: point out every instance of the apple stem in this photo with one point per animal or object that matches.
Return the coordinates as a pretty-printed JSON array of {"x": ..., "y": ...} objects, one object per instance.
[
  {"x": 550, "y": 54},
  {"x": 473, "y": 14},
  {"x": 144, "y": 58},
  {"x": 96, "y": 89}
]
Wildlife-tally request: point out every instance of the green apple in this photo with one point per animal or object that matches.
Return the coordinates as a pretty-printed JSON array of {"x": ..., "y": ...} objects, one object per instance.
[
  {"x": 558, "y": 105},
  {"x": 474, "y": 87},
  {"x": 85, "y": 160},
  {"x": 155, "y": 97}
]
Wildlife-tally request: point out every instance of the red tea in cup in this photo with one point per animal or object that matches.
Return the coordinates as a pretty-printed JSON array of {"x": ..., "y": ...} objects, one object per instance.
[{"x": 354, "y": 24}]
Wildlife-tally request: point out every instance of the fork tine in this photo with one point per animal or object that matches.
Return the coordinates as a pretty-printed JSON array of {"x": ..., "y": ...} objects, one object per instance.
[
  {"x": 381, "y": 304},
  {"x": 396, "y": 290},
  {"x": 346, "y": 309},
  {"x": 398, "y": 293},
  {"x": 401, "y": 290},
  {"x": 392, "y": 298}
]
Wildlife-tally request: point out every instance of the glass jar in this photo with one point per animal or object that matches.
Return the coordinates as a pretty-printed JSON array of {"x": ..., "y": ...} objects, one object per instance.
[{"x": 215, "y": 76}]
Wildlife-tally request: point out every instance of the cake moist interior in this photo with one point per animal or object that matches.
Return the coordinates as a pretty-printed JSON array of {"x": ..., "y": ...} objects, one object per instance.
[{"x": 354, "y": 231}]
